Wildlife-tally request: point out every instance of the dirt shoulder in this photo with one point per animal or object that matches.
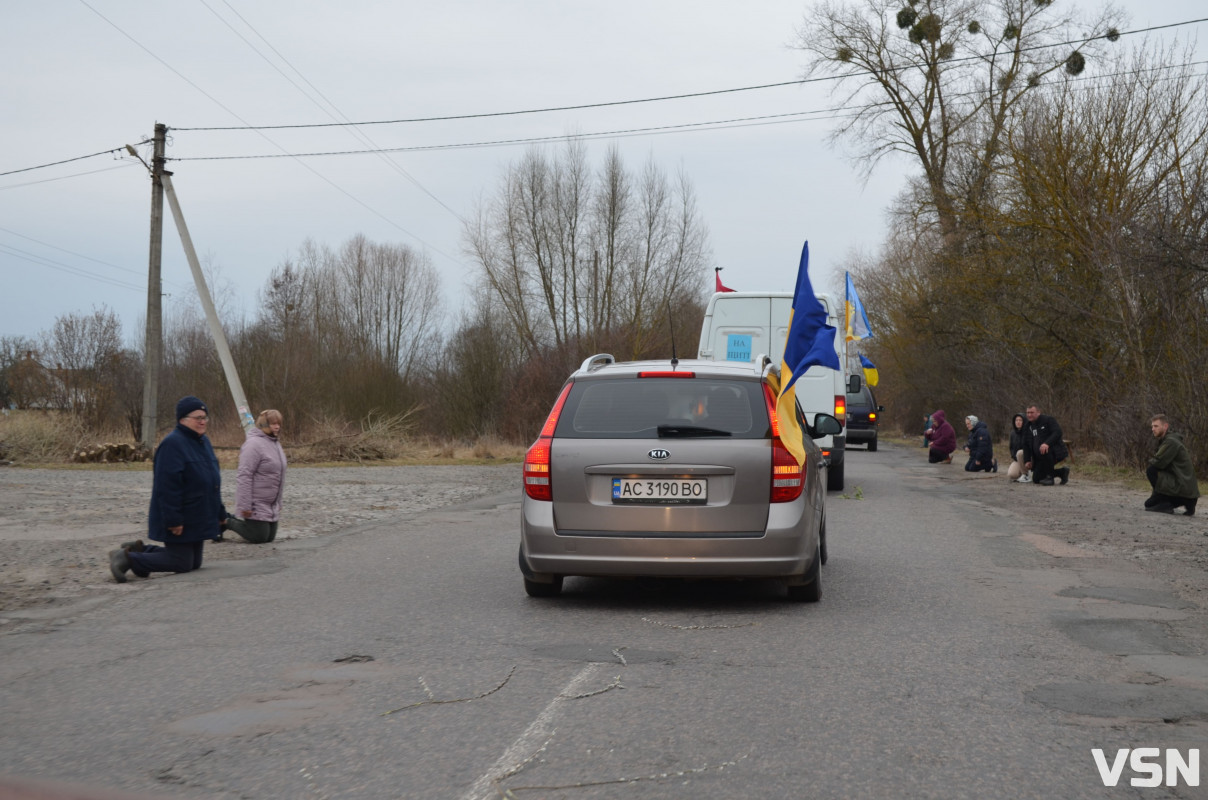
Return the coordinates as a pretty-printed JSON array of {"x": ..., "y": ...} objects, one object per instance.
[{"x": 58, "y": 525}]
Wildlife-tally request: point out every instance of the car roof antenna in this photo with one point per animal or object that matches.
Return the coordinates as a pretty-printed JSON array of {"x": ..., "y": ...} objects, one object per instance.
[{"x": 671, "y": 322}]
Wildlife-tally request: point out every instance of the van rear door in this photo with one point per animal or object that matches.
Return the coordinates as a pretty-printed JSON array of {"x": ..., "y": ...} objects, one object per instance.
[{"x": 740, "y": 327}]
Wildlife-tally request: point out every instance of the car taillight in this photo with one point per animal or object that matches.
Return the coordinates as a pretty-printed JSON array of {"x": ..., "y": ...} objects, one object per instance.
[
  {"x": 537, "y": 460},
  {"x": 649, "y": 374},
  {"x": 841, "y": 408},
  {"x": 872, "y": 415},
  {"x": 788, "y": 477}
]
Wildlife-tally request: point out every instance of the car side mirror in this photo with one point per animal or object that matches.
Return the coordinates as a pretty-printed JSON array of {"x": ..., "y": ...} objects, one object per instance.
[
  {"x": 880, "y": 408},
  {"x": 853, "y": 384},
  {"x": 824, "y": 425}
]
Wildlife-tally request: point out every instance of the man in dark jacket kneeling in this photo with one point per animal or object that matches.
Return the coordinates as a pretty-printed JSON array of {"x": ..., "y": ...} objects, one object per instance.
[
  {"x": 1170, "y": 471},
  {"x": 1044, "y": 448},
  {"x": 186, "y": 501}
]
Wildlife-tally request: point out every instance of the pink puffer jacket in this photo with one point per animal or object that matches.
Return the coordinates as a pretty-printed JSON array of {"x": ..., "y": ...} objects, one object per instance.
[{"x": 261, "y": 479}]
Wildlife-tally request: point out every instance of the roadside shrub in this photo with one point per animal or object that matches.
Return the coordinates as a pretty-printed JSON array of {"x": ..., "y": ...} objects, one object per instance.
[
  {"x": 41, "y": 437},
  {"x": 376, "y": 438}
]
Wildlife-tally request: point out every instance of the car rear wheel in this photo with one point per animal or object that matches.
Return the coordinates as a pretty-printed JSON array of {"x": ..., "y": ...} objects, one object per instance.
[
  {"x": 822, "y": 541},
  {"x": 872, "y": 445},
  {"x": 810, "y": 592},
  {"x": 552, "y": 589}
]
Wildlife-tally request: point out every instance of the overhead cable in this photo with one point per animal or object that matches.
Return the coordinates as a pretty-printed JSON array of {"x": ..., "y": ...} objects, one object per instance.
[{"x": 662, "y": 98}]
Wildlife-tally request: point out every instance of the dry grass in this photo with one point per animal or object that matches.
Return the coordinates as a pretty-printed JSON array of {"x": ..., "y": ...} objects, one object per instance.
[{"x": 47, "y": 437}]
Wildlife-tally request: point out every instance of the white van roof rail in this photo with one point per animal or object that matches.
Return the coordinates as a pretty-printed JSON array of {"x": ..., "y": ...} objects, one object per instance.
[{"x": 597, "y": 361}]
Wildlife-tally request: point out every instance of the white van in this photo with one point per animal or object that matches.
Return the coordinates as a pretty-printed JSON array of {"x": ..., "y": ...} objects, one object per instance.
[{"x": 740, "y": 326}]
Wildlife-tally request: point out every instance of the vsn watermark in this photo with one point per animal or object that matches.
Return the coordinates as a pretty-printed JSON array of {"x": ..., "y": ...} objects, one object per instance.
[{"x": 1149, "y": 761}]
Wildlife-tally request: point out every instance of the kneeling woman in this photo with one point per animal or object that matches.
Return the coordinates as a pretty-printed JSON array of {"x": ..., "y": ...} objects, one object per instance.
[{"x": 260, "y": 482}]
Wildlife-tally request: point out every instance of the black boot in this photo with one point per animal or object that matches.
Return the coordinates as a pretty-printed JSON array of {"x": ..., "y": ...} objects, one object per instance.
[
  {"x": 1063, "y": 475},
  {"x": 119, "y": 564},
  {"x": 1190, "y": 506},
  {"x": 136, "y": 546},
  {"x": 1162, "y": 507}
]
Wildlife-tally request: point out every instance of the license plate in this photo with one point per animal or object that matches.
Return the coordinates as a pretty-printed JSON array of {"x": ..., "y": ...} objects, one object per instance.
[{"x": 661, "y": 491}]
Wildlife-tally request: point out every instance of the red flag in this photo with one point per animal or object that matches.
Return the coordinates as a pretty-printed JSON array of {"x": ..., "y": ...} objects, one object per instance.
[{"x": 721, "y": 287}]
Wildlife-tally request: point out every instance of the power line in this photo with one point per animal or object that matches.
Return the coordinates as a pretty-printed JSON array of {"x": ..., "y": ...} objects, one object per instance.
[
  {"x": 65, "y": 177},
  {"x": 338, "y": 115},
  {"x": 139, "y": 273},
  {"x": 713, "y": 125},
  {"x": 662, "y": 98},
  {"x": 721, "y": 124},
  {"x": 121, "y": 149},
  {"x": 42, "y": 261},
  {"x": 262, "y": 135},
  {"x": 725, "y": 124}
]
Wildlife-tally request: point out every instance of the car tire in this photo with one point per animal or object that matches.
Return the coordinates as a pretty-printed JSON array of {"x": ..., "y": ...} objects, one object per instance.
[
  {"x": 834, "y": 477},
  {"x": 822, "y": 541},
  {"x": 872, "y": 445},
  {"x": 810, "y": 592},
  {"x": 534, "y": 589}
]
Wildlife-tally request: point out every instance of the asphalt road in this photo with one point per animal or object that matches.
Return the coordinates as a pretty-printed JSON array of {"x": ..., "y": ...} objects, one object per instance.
[{"x": 957, "y": 652}]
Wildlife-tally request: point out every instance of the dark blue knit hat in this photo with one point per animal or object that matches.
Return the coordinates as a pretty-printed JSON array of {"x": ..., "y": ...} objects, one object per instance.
[{"x": 187, "y": 405}]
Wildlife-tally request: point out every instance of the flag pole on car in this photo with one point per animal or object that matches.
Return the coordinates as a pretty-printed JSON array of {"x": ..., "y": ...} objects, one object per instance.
[{"x": 810, "y": 342}]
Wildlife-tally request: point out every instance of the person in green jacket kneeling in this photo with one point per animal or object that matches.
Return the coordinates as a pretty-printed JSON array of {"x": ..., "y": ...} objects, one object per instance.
[{"x": 1170, "y": 471}]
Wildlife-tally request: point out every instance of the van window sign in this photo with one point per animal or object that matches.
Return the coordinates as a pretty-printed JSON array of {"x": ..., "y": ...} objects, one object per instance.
[{"x": 738, "y": 347}]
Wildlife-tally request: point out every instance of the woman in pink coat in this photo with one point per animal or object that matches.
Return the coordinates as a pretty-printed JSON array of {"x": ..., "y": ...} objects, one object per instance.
[{"x": 260, "y": 481}]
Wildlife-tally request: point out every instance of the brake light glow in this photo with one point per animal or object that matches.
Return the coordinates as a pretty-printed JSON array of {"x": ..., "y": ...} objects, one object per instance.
[
  {"x": 537, "y": 460},
  {"x": 872, "y": 415},
  {"x": 841, "y": 408},
  {"x": 788, "y": 477},
  {"x": 666, "y": 374}
]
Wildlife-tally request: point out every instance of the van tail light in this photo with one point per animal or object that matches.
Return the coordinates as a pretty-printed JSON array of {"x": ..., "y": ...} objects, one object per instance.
[
  {"x": 841, "y": 408},
  {"x": 872, "y": 416},
  {"x": 788, "y": 477},
  {"x": 537, "y": 460}
]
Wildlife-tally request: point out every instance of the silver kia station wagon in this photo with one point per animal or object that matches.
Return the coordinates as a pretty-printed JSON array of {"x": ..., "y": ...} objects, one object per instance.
[{"x": 673, "y": 469}]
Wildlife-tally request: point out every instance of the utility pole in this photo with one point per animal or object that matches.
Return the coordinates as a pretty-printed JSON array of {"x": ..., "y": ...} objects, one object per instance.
[
  {"x": 203, "y": 293},
  {"x": 153, "y": 343}
]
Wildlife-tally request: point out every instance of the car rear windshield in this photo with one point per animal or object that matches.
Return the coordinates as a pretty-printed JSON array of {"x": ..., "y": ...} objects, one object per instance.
[
  {"x": 860, "y": 399},
  {"x": 647, "y": 408}
]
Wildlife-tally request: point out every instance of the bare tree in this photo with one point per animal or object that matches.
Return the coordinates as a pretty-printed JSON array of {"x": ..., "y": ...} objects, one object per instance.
[
  {"x": 570, "y": 260},
  {"x": 941, "y": 80},
  {"x": 86, "y": 352}
]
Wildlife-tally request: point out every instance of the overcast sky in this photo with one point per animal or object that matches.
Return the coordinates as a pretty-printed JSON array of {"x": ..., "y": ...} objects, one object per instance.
[{"x": 75, "y": 236}]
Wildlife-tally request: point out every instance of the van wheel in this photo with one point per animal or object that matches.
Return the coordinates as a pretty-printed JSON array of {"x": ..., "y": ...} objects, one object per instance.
[
  {"x": 872, "y": 445},
  {"x": 534, "y": 589},
  {"x": 810, "y": 592},
  {"x": 834, "y": 478}
]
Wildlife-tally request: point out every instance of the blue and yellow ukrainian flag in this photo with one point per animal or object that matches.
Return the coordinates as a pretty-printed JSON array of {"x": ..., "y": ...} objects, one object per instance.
[
  {"x": 810, "y": 342},
  {"x": 871, "y": 376},
  {"x": 856, "y": 321}
]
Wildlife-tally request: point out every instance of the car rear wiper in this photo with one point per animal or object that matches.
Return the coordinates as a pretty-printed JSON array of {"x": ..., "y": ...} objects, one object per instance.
[{"x": 690, "y": 430}]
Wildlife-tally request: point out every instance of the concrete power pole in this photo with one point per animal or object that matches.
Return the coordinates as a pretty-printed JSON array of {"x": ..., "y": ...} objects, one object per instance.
[
  {"x": 203, "y": 293},
  {"x": 153, "y": 343}
]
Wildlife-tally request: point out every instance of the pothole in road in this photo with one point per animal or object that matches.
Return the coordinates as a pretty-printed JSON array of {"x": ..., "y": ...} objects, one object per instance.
[{"x": 1169, "y": 703}]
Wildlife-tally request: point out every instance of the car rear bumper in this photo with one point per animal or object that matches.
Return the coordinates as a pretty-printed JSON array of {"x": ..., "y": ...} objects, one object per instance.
[
  {"x": 860, "y": 434},
  {"x": 785, "y": 549}
]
